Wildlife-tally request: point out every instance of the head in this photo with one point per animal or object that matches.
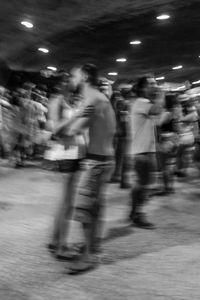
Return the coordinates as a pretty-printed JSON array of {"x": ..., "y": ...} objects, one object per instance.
[
  {"x": 105, "y": 87},
  {"x": 146, "y": 87},
  {"x": 79, "y": 76}
]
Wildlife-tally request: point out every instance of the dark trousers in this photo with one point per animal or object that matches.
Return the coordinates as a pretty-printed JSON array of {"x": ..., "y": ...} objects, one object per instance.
[
  {"x": 143, "y": 165},
  {"x": 120, "y": 159},
  {"x": 166, "y": 170}
]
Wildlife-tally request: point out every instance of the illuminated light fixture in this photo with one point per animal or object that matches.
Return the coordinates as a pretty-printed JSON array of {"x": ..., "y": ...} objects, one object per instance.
[
  {"x": 196, "y": 82},
  {"x": 160, "y": 78},
  {"x": 113, "y": 73},
  {"x": 27, "y": 24},
  {"x": 121, "y": 59},
  {"x": 135, "y": 42},
  {"x": 44, "y": 50},
  {"x": 52, "y": 68},
  {"x": 163, "y": 17},
  {"x": 180, "y": 88},
  {"x": 177, "y": 68}
]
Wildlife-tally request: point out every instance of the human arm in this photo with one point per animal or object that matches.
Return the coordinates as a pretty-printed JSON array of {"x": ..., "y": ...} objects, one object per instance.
[{"x": 81, "y": 121}]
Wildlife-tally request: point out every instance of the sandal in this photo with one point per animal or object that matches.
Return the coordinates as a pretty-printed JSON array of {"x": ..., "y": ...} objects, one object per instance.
[{"x": 81, "y": 266}]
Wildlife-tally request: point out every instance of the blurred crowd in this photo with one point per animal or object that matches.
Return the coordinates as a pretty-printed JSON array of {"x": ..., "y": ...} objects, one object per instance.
[
  {"x": 23, "y": 117},
  {"x": 25, "y": 132}
]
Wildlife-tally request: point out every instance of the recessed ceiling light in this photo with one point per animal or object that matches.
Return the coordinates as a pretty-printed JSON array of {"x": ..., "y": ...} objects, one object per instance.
[
  {"x": 52, "y": 68},
  {"x": 177, "y": 68},
  {"x": 196, "y": 82},
  {"x": 181, "y": 87},
  {"x": 113, "y": 73},
  {"x": 160, "y": 78},
  {"x": 163, "y": 17},
  {"x": 135, "y": 42},
  {"x": 121, "y": 59},
  {"x": 27, "y": 24},
  {"x": 44, "y": 50}
]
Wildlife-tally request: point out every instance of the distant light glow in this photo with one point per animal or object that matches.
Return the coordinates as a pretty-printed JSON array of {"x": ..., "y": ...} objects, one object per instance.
[
  {"x": 52, "y": 68},
  {"x": 27, "y": 24},
  {"x": 44, "y": 50},
  {"x": 135, "y": 42},
  {"x": 196, "y": 82},
  {"x": 121, "y": 59},
  {"x": 113, "y": 73},
  {"x": 177, "y": 68},
  {"x": 160, "y": 78},
  {"x": 163, "y": 17}
]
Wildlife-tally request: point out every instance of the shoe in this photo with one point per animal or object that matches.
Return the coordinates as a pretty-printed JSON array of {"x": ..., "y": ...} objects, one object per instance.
[
  {"x": 125, "y": 185},
  {"x": 180, "y": 174},
  {"x": 140, "y": 222},
  {"x": 52, "y": 248},
  {"x": 97, "y": 249},
  {"x": 81, "y": 266},
  {"x": 115, "y": 179},
  {"x": 65, "y": 253}
]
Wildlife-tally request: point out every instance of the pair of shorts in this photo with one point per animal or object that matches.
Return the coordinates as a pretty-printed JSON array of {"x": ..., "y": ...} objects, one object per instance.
[
  {"x": 69, "y": 165},
  {"x": 90, "y": 191}
]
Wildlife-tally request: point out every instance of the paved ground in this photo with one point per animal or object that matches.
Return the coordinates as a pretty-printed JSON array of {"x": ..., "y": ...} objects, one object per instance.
[{"x": 138, "y": 264}]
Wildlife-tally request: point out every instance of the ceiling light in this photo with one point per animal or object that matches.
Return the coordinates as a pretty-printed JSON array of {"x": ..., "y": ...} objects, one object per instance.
[
  {"x": 163, "y": 17},
  {"x": 196, "y": 82},
  {"x": 52, "y": 68},
  {"x": 177, "y": 68},
  {"x": 160, "y": 78},
  {"x": 121, "y": 60},
  {"x": 182, "y": 87},
  {"x": 44, "y": 50},
  {"x": 113, "y": 73},
  {"x": 27, "y": 24},
  {"x": 135, "y": 42}
]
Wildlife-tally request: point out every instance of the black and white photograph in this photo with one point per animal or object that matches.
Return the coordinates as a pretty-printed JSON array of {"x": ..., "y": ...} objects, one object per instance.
[{"x": 99, "y": 149}]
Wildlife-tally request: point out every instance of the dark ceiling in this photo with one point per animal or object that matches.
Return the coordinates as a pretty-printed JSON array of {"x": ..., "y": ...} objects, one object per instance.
[{"x": 99, "y": 31}]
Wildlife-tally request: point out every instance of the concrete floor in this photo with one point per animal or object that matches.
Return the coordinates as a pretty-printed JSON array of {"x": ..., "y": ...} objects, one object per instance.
[{"x": 137, "y": 264}]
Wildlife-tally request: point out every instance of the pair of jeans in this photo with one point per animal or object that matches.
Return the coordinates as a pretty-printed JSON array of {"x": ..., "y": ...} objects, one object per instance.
[{"x": 90, "y": 198}]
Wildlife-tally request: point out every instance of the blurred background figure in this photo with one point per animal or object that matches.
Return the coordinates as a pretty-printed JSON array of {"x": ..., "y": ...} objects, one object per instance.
[
  {"x": 121, "y": 108},
  {"x": 167, "y": 143},
  {"x": 188, "y": 130},
  {"x": 4, "y": 105},
  {"x": 19, "y": 130},
  {"x": 142, "y": 144}
]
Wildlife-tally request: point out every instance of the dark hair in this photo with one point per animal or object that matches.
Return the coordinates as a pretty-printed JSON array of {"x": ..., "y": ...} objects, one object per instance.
[
  {"x": 92, "y": 73},
  {"x": 55, "y": 89},
  {"x": 170, "y": 101},
  {"x": 141, "y": 83}
]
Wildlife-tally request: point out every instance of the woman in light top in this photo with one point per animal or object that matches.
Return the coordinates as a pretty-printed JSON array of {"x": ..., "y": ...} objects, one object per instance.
[{"x": 71, "y": 151}]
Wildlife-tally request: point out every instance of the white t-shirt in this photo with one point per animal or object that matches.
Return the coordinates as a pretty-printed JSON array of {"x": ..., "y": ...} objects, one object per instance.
[{"x": 142, "y": 128}]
